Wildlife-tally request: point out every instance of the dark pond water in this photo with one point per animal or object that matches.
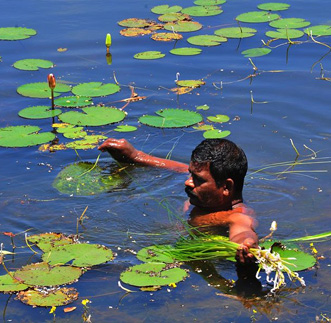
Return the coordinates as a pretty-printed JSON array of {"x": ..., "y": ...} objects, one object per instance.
[{"x": 131, "y": 217}]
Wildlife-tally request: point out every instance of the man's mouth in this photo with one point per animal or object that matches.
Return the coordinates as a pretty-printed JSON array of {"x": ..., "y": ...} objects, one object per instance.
[{"x": 189, "y": 193}]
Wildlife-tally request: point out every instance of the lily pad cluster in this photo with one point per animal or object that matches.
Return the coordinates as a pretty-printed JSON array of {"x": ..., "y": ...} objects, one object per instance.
[{"x": 64, "y": 260}]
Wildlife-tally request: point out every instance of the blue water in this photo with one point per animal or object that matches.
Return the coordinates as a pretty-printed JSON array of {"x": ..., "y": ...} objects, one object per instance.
[{"x": 129, "y": 218}]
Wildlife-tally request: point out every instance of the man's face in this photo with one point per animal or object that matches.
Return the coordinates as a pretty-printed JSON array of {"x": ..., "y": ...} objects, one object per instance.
[{"x": 202, "y": 189}]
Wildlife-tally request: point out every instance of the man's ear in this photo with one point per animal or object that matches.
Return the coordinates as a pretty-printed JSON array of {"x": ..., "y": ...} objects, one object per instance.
[{"x": 228, "y": 187}]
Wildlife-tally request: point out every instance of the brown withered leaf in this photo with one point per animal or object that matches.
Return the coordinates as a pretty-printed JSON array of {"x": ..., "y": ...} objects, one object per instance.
[{"x": 166, "y": 36}]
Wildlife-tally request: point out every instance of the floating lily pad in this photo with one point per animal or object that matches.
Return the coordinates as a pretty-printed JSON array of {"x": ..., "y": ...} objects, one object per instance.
[
  {"x": 10, "y": 285},
  {"x": 290, "y": 23},
  {"x": 256, "y": 52},
  {"x": 154, "y": 254},
  {"x": 166, "y": 36},
  {"x": 162, "y": 9},
  {"x": 49, "y": 297},
  {"x": 175, "y": 16},
  {"x": 183, "y": 26},
  {"x": 152, "y": 274},
  {"x": 16, "y": 33},
  {"x": 273, "y": 6},
  {"x": 257, "y": 16},
  {"x": 149, "y": 55},
  {"x": 215, "y": 133},
  {"x": 78, "y": 255},
  {"x": 75, "y": 133},
  {"x": 125, "y": 128},
  {"x": 39, "y": 112},
  {"x": 42, "y": 90},
  {"x": 47, "y": 241},
  {"x": 171, "y": 118},
  {"x": 186, "y": 51},
  {"x": 204, "y": 107},
  {"x": 42, "y": 274},
  {"x": 95, "y": 89},
  {"x": 134, "y": 32},
  {"x": 203, "y": 127},
  {"x": 235, "y": 32},
  {"x": 89, "y": 142},
  {"x": 285, "y": 33},
  {"x": 209, "y": 2},
  {"x": 32, "y": 64},
  {"x": 93, "y": 116},
  {"x": 202, "y": 11},
  {"x": 220, "y": 118},
  {"x": 320, "y": 30},
  {"x": 206, "y": 40},
  {"x": 73, "y": 101},
  {"x": 23, "y": 136},
  {"x": 84, "y": 179},
  {"x": 190, "y": 83},
  {"x": 135, "y": 22}
]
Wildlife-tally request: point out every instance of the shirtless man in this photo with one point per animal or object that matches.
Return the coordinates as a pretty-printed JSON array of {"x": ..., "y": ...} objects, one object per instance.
[{"x": 217, "y": 170}]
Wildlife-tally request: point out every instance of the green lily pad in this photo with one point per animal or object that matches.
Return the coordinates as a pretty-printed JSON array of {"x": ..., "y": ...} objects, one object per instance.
[
  {"x": 166, "y": 36},
  {"x": 273, "y": 6},
  {"x": 154, "y": 254},
  {"x": 186, "y": 51},
  {"x": 78, "y": 255},
  {"x": 89, "y": 142},
  {"x": 134, "y": 32},
  {"x": 49, "y": 240},
  {"x": 290, "y": 23},
  {"x": 174, "y": 16},
  {"x": 162, "y": 9},
  {"x": 235, "y": 32},
  {"x": 206, "y": 40},
  {"x": 16, "y": 33},
  {"x": 204, "y": 107},
  {"x": 84, "y": 179},
  {"x": 73, "y": 101},
  {"x": 215, "y": 133},
  {"x": 75, "y": 133},
  {"x": 202, "y": 11},
  {"x": 285, "y": 33},
  {"x": 93, "y": 116},
  {"x": 320, "y": 30},
  {"x": 23, "y": 136},
  {"x": 256, "y": 52},
  {"x": 257, "y": 16},
  {"x": 49, "y": 297},
  {"x": 125, "y": 128},
  {"x": 190, "y": 83},
  {"x": 152, "y": 274},
  {"x": 42, "y": 90},
  {"x": 42, "y": 274},
  {"x": 171, "y": 118},
  {"x": 203, "y": 127},
  {"x": 39, "y": 112},
  {"x": 220, "y": 118},
  {"x": 183, "y": 26},
  {"x": 149, "y": 55},
  {"x": 209, "y": 2},
  {"x": 10, "y": 285},
  {"x": 32, "y": 64},
  {"x": 135, "y": 22},
  {"x": 95, "y": 89}
]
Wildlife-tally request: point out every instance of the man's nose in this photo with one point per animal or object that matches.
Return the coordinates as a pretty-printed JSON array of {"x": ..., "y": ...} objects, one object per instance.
[{"x": 189, "y": 182}]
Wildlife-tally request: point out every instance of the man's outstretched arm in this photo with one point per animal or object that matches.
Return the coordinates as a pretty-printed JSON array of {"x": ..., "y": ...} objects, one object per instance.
[{"x": 123, "y": 151}]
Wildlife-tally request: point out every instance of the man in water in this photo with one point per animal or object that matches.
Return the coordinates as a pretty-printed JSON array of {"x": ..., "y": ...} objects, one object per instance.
[{"x": 217, "y": 171}]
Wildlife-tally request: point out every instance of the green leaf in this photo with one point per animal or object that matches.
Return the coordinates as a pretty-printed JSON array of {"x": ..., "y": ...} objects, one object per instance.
[
  {"x": 23, "y": 136},
  {"x": 162, "y": 9},
  {"x": 73, "y": 101},
  {"x": 273, "y": 6},
  {"x": 186, "y": 51},
  {"x": 16, "y": 33},
  {"x": 154, "y": 254},
  {"x": 152, "y": 274},
  {"x": 202, "y": 11},
  {"x": 75, "y": 133},
  {"x": 220, "y": 118},
  {"x": 312, "y": 238},
  {"x": 235, "y": 32},
  {"x": 149, "y": 55},
  {"x": 257, "y": 16},
  {"x": 49, "y": 240},
  {"x": 215, "y": 133},
  {"x": 190, "y": 83},
  {"x": 206, "y": 40},
  {"x": 209, "y": 2},
  {"x": 320, "y": 30},
  {"x": 290, "y": 23},
  {"x": 32, "y": 64},
  {"x": 134, "y": 22},
  {"x": 203, "y": 127},
  {"x": 125, "y": 128},
  {"x": 9, "y": 285},
  {"x": 84, "y": 179},
  {"x": 42, "y": 90},
  {"x": 79, "y": 255},
  {"x": 41, "y": 274},
  {"x": 175, "y": 16},
  {"x": 39, "y": 112},
  {"x": 93, "y": 116},
  {"x": 89, "y": 142},
  {"x": 203, "y": 107},
  {"x": 183, "y": 26},
  {"x": 95, "y": 89},
  {"x": 49, "y": 297},
  {"x": 285, "y": 33},
  {"x": 256, "y": 52}
]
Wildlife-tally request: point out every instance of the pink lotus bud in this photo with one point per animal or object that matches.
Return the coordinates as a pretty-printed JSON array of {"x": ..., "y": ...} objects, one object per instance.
[{"x": 51, "y": 81}]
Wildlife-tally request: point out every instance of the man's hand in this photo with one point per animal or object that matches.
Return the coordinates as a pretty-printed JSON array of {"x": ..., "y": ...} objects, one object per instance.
[
  {"x": 120, "y": 149},
  {"x": 243, "y": 255}
]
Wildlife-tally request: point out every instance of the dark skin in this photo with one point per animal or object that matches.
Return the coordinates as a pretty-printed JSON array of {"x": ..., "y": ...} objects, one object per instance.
[{"x": 214, "y": 206}]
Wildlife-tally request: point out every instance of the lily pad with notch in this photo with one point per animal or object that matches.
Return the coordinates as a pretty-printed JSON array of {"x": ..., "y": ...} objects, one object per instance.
[
  {"x": 135, "y": 22},
  {"x": 183, "y": 26},
  {"x": 134, "y": 32},
  {"x": 319, "y": 30},
  {"x": 190, "y": 83},
  {"x": 125, "y": 128},
  {"x": 73, "y": 101},
  {"x": 273, "y": 6},
  {"x": 209, "y": 2},
  {"x": 285, "y": 33},
  {"x": 236, "y": 32},
  {"x": 10, "y": 285},
  {"x": 39, "y": 112},
  {"x": 220, "y": 118},
  {"x": 154, "y": 254},
  {"x": 207, "y": 40},
  {"x": 289, "y": 23},
  {"x": 89, "y": 142},
  {"x": 166, "y": 36},
  {"x": 215, "y": 133},
  {"x": 31, "y": 64},
  {"x": 41, "y": 90},
  {"x": 162, "y": 9},
  {"x": 257, "y": 16},
  {"x": 95, "y": 89},
  {"x": 149, "y": 55},
  {"x": 16, "y": 33},
  {"x": 202, "y": 11},
  {"x": 256, "y": 52},
  {"x": 174, "y": 16},
  {"x": 186, "y": 51}
]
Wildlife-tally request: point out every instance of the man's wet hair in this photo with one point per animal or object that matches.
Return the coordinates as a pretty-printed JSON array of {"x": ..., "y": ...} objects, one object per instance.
[{"x": 225, "y": 158}]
